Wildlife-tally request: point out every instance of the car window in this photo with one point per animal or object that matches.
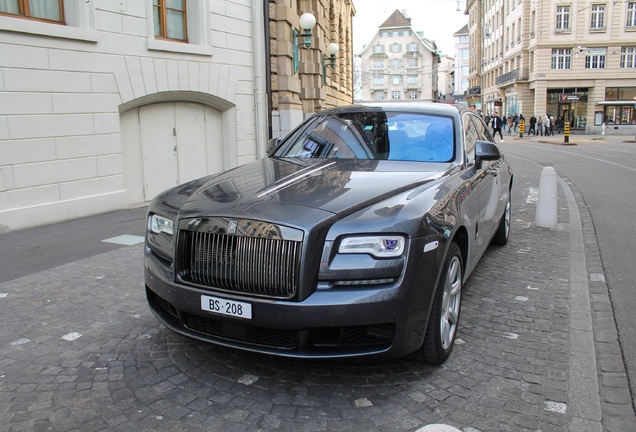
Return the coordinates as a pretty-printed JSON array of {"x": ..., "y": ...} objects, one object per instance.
[
  {"x": 471, "y": 135},
  {"x": 374, "y": 135},
  {"x": 482, "y": 129}
]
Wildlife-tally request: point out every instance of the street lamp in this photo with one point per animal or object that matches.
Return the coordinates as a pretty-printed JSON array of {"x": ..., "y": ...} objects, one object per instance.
[
  {"x": 332, "y": 50},
  {"x": 307, "y": 21}
]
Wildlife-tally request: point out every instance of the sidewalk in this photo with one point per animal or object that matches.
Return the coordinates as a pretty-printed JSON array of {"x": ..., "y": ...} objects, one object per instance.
[{"x": 537, "y": 348}]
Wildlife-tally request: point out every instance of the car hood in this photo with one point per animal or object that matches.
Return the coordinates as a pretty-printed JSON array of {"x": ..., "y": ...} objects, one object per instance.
[{"x": 339, "y": 187}]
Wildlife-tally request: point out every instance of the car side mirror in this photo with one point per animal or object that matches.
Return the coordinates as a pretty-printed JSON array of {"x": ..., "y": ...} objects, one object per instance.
[
  {"x": 272, "y": 144},
  {"x": 486, "y": 150}
]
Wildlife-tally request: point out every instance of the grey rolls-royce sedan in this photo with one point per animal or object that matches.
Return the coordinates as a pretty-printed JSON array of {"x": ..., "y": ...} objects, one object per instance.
[{"x": 353, "y": 237}]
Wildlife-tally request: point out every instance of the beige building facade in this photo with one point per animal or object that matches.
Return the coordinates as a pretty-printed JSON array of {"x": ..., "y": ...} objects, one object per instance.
[
  {"x": 316, "y": 84},
  {"x": 399, "y": 64},
  {"x": 575, "y": 61}
]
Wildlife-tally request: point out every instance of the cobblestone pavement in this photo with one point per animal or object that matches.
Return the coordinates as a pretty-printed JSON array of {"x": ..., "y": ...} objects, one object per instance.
[{"x": 80, "y": 351}]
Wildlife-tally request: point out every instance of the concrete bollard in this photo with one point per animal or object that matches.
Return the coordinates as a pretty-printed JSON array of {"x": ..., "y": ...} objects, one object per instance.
[{"x": 546, "y": 215}]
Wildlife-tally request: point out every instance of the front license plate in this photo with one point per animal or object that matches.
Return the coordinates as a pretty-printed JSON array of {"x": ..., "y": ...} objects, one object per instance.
[{"x": 226, "y": 307}]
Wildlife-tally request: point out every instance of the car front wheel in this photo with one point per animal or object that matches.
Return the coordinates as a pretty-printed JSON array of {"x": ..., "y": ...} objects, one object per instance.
[{"x": 444, "y": 318}]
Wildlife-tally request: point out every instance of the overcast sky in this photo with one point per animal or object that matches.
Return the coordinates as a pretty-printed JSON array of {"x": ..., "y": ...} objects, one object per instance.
[{"x": 438, "y": 19}]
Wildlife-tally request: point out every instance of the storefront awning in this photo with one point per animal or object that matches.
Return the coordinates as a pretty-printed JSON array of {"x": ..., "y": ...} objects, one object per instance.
[{"x": 617, "y": 102}]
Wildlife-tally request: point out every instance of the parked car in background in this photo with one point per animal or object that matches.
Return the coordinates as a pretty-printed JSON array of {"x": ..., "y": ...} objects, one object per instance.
[{"x": 353, "y": 237}]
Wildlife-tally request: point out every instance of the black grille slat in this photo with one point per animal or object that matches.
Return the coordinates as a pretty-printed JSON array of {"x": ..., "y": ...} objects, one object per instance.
[{"x": 251, "y": 265}]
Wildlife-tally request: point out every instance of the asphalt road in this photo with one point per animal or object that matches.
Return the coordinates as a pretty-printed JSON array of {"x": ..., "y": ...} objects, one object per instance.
[{"x": 603, "y": 171}]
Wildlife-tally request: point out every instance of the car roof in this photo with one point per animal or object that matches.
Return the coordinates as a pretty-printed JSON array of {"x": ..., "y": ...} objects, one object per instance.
[{"x": 427, "y": 107}]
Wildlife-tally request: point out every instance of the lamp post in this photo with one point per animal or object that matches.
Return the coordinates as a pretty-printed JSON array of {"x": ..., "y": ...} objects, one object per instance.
[
  {"x": 330, "y": 60},
  {"x": 307, "y": 22}
]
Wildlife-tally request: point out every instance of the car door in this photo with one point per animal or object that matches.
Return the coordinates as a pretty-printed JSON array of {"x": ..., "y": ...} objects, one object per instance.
[
  {"x": 491, "y": 206},
  {"x": 485, "y": 186}
]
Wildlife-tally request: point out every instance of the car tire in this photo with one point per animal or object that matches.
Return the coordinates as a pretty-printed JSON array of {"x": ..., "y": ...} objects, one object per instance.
[
  {"x": 444, "y": 318},
  {"x": 503, "y": 231}
]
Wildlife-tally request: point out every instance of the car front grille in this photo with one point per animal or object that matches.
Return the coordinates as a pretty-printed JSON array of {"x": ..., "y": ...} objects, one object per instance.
[{"x": 266, "y": 267}]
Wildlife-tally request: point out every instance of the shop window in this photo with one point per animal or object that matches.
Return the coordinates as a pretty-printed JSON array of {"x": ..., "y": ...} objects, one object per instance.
[
  {"x": 47, "y": 10},
  {"x": 395, "y": 95}
]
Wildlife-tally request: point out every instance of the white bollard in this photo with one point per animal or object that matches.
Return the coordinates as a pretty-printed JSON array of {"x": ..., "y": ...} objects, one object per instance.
[{"x": 546, "y": 216}]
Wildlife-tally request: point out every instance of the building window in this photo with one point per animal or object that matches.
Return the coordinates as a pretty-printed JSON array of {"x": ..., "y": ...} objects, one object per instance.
[
  {"x": 597, "y": 21},
  {"x": 396, "y": 79},
  {"x": 48, "y": 10},
  {"x": 395, "y": 95},
  {"x": 464, "y": 70},
  {"x": 396, "y": 63},
  {"x": 464, "y": 54},
  {"x": 170, "y": 19},
  {"x": 384, "y": 34},
  {"x": 379, "y": 95},
  {"x": 412, "y": 47},
  {"x": 595, "y": 58},
  {"x": 561, "y": 58},
  {"x": 378, "y": 64},
  {"x": 406, "y": 33},
  {"x": 563, "y": 18},
  {"x": 396, "y": 47},
  {"x": 411, "y": 79},
  {"x": 378, "y": 79},
  {"x": 628, "y": 57},
  {"x": 378, "y": 49},
  {"x": 412, "y": 94},
  {"x": 631, "y": 14},
  {"x": 412, "y": 62}
]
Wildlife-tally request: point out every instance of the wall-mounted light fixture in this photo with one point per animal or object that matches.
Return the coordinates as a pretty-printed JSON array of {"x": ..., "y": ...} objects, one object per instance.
[
  {"x": 330, "y": 60},
  {"x": 307, "y": 21}
]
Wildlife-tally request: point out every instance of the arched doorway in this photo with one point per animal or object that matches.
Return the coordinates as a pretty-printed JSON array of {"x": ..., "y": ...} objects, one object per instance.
[{"x": 169, "y": 143}]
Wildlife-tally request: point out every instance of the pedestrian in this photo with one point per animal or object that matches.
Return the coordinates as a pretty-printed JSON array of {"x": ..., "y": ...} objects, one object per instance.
[
  {"x": 546, "y": 125},
  {"x": 552, "y": 125},
  {"x": 497, "y": 124},
  {"x": 540, "y": 125},
  {"x": 533, "y": 124},
  {"x": 504, "y": 122},
  {"x": 511, "y": 125}
]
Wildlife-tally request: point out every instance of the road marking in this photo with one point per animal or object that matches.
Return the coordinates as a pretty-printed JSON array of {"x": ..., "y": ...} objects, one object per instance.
[{"x": 125, "y": 239}]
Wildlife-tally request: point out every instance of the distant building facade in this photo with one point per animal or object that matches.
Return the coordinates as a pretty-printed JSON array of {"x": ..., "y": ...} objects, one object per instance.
[
  {"x": 462, "y": 64},
  {"x": 575, "y": 61},
  {"x": 399, "y": 64},
  {"x": 446, "y": 79}
]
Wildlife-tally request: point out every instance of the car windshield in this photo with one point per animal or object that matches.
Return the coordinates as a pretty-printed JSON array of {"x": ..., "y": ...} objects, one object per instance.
[{"x": 374, "y": 135}]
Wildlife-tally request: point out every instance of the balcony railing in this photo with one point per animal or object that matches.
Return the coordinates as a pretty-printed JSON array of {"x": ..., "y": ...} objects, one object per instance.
[{"x": 512, "y": 76}]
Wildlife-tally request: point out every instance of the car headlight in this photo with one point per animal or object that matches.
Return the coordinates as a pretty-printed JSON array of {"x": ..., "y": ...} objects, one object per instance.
[
  {"x": 380, "y": 246},
  {"x": 159, "y": 224}
]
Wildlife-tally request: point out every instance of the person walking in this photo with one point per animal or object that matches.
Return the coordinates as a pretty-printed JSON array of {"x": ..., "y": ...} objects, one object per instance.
[
  {"x": 497, "y": 124},
  {"x": 540, "y": 125},
  {"x": 546, "y": 125},
  {"x": 552, "y": 125},
  {"x": 511, "y": 125},
  {"x": 533, "y": 124}
]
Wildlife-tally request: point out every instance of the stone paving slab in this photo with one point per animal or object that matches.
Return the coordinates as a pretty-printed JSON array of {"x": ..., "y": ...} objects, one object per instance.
[{"x": 80, "y": 351}]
